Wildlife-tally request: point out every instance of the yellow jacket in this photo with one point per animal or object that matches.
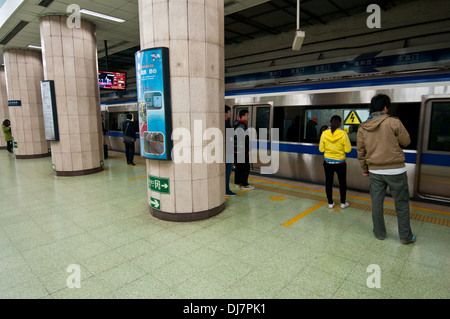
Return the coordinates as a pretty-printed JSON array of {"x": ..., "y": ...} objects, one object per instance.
[{"x": 335, "y": 145}]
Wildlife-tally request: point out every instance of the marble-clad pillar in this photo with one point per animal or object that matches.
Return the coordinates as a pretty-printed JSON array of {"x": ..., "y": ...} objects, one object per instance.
[
  {"x": 70, "y": 59},
  {"x": 193, "y": 32},
  {"x": 23, "y": 80},
  {"x": 4, "y": 112}
]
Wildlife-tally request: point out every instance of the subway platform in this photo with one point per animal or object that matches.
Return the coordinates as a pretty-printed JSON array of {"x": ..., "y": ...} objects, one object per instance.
[{"x": 278, "y": 241}]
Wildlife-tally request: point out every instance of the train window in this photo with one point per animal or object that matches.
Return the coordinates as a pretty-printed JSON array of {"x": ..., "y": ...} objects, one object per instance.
[
  {"x": 262, "y": 122},
  {"x": 439, "y": 135},
  {"x": 116, "y": 120},
  {"x": 318, "y": 120},
  {"x": 298, "y": 124},
  {"x": 409, "y": 114},
  {"x": 287, "y": 120}
]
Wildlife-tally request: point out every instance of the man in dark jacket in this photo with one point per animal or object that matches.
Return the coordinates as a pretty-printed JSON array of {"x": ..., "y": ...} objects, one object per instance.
[
  {"x": 379, "y": 142},
  {"x": 228, "y": 166},
  {"x": 242, "y": 151},
  {"x": 128, "y": 130}
]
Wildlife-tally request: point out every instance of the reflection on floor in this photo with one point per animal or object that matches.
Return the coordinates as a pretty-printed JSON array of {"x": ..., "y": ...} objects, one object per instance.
[{"x": 279, "y": 240}]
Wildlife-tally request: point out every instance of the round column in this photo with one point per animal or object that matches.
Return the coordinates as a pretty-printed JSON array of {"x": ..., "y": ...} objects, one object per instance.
[
  {"x": 193, "y": 32},
  {"x": 23, "y": 80},
  {"x": 70, "y": 59},
  {"x": 4, "y": 112}
]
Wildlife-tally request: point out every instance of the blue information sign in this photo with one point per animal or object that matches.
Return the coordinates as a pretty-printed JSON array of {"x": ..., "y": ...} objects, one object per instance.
[{"x": 154, "y": 103}]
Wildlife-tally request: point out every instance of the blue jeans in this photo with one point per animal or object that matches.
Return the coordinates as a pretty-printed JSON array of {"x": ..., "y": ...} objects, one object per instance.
[{"x": 228, "y": 169}]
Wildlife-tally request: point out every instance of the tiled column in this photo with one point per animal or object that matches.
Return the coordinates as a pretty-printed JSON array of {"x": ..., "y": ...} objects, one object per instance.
[
  {"x": 4, "y": 112},
  {"x": 23, "y": 79},
  {"x": 70, "y": 59},
  {"x": 193, "y": 32}
]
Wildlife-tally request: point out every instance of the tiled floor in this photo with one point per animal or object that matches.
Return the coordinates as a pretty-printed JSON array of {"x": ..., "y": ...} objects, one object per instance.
[{"x": 101, "y": 224}]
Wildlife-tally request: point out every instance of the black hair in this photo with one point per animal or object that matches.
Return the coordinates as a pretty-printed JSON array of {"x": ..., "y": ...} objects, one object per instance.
[
  {"x": 378, "y": 103},
  {"x": 242, "y": 113},
  {"x": 5, "y": 122},
  {"x": 335, "y": 122},
  {"x": 129, "y": 116},
  {"x": 227, "y": 108}
]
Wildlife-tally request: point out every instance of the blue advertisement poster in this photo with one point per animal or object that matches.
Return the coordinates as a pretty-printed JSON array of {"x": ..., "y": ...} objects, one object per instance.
[{"x": 154, "y": 104}]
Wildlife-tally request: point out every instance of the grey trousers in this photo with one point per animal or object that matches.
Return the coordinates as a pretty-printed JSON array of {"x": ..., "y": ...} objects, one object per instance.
[{"x": 398, "y": 186}]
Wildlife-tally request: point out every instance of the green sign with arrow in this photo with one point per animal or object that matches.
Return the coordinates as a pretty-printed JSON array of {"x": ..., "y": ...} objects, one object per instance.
[
  {"x": 155, "y": 203},
  {"x": 159, "y": 184}
]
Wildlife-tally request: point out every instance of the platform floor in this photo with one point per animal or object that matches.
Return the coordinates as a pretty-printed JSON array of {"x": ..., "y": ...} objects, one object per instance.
[{"x": 279, "y": 240}]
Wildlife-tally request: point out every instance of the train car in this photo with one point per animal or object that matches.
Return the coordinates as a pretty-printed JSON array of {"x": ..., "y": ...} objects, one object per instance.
[
  {"x": 299, "y": 113},
  {"x": 114, "y": 114},
  {"x": 298, "y": 102}
]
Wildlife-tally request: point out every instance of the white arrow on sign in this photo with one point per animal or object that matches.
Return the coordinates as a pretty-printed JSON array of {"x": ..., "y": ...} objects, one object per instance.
[
  {"x": 164, "y": 185},
  {"x": 155, "y": 203}
]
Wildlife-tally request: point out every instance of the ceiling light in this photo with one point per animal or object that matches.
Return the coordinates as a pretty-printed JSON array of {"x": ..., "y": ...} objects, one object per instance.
[
  {"x": 101, "y": 15},
  {"x": 34, "y": 46},
  {"x": 299, "y": 34},
  {"x": 298, "y": 40}
]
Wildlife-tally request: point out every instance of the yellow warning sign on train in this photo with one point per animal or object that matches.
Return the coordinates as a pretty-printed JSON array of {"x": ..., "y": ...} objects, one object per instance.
[{"x": 352, "y": 118}]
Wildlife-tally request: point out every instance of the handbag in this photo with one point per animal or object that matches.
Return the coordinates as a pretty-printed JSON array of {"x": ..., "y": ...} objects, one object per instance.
[{"x": 129, "y": 140}]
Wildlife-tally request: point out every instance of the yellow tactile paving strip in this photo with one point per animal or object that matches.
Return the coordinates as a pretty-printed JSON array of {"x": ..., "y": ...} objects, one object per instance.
[{"x": 387, "y": 211}]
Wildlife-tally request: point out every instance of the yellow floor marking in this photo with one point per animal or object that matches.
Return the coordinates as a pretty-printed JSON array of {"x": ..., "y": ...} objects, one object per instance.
[
  {"x": 306, "y": 212},
  {"x": 349, "y": 196},
  {"x": 116, "y": 169},
  {"x": 279, "y": 198},
  {"x": 238, "y": 193},
  {"x": 131, "y": 179}
]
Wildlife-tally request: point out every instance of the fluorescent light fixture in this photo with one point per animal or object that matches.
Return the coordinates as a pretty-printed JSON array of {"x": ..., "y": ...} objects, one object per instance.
[
  {"x": 298, "y": 40},
  {"x": 34, "y": 46},
  {"x": 299, "y": 35},
  {"x": 101, "y": 15}
]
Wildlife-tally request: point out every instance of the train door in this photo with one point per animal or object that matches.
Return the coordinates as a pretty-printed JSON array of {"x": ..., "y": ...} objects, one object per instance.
[
  {"x": 433, "y": 153},
  {"x": 259, "y": 119}
]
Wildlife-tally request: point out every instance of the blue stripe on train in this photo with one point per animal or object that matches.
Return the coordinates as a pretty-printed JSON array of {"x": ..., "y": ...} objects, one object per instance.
[
  {"x": 410, "y": 158},
  {"x": 118, "y": 134},
  {"x": 343, "y": 84}
]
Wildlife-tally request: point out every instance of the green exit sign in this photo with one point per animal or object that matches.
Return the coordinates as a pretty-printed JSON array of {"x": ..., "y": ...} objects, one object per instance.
[{"x": 159, "y": 184}]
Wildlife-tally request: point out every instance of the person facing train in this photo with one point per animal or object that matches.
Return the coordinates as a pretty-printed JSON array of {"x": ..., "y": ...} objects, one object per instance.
[
  {"x": 242, "y": 151},
  {"x": 334, "y": 143},
  {"x": 379, "y": 145},
  {"x": 129, "y": 130}
]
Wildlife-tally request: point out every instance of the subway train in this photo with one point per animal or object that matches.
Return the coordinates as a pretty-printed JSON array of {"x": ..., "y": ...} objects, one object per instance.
[{"x": 298, "y": 113}]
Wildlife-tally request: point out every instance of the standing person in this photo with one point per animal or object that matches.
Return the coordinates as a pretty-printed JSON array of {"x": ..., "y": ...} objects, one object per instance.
[
  {"x": 228, "y": 166},
  {"x": 381, "y": 157},
  {"x": 334, "y": 143},
  {"x": 6, "y": 128},
  {"x": 242, "y": 151},
  {"x": 311, "y": 131},
  {"x": 128, "y": 130}
]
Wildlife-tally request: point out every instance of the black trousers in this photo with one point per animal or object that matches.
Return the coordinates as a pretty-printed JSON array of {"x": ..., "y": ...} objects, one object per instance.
[
  {"x": 242, "y": 171},
  {"x": 9, "y": 146},
  {"x": 129, "y": 152},
  {"x": 341, "y": 171}
]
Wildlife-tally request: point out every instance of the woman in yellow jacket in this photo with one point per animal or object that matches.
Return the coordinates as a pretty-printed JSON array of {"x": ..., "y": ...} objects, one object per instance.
[
  {"x": 334, "y": 143},
  {"x": 7, "y": 133}
]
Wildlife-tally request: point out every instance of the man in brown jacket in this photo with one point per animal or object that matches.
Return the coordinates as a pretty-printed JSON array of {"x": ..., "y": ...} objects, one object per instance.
[{"x": 379, "y": 143}]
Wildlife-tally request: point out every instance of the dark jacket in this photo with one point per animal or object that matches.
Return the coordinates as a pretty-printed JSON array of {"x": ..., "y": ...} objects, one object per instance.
[
  {"x": 379, "y": 142},
  {"x": 131, "y": 131},
  {"x": 240, "y": 144}
]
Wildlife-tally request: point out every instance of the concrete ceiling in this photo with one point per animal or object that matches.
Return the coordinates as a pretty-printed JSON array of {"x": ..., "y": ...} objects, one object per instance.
[
  {"x": 22, "y": 27},
  {"x": 245, "y": 21}
]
